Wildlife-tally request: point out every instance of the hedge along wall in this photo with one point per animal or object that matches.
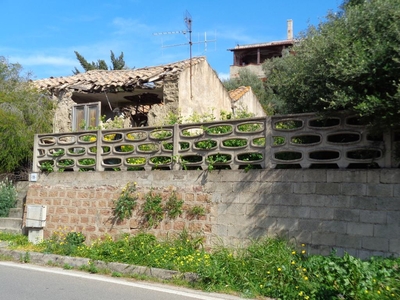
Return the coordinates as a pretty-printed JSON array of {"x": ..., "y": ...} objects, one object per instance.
[{"x": 357, "y": 211}]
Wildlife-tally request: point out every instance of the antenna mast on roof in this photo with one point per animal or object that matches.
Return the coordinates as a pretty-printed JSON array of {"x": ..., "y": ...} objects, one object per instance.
[{"x": 188, "y": 23}]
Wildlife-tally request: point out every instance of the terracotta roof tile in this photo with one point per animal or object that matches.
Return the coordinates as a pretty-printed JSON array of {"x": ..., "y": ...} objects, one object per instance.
[
  {"x": 239, "y": 92},
  {"x": 100, "y": 80}
]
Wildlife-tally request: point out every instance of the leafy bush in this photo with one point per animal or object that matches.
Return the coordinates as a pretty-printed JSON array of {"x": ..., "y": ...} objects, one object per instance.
[
  {"x": 348, "y": 62},
  {"x": 23, "y": 113},
  {"x": 8, "y": 197}
]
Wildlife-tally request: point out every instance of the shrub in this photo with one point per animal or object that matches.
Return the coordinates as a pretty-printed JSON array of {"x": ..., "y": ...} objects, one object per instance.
[{"x": 8, "y": 197}]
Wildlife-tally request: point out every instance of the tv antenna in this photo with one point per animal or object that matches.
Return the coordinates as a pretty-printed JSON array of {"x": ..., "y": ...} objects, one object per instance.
[{"x": 188, "y": 23}]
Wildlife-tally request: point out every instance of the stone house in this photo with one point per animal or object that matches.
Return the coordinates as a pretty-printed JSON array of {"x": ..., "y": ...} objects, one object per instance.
[
  {"x": 144, "y": 96},
  {"x": 252, "y": 56}
]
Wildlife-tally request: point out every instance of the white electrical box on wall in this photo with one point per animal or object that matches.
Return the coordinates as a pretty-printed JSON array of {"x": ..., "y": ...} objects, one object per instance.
[
  {"x": 36, "y": 216},
  {"x": 33, "y": 177}
]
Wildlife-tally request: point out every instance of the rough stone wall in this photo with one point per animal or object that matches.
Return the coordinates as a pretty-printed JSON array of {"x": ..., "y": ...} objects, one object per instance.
[
  {"x": 159, "y": 113},
  {"x": 357, "y": 211},
  {"x": 62, "y": 121}
]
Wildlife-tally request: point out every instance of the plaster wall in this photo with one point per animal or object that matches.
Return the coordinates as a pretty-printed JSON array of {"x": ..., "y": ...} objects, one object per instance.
[
  {"x": 357, "y": 211},
  {"x": 249, "y": 102},
  {"x": 205, "y": 93}
]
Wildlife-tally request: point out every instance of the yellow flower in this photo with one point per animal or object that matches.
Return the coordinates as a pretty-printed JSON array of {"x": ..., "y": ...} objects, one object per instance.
[
  {"x": 304, "y": 270},
  {"x": 279, "y": 269},
  {"x": 305, "y": 278},
  {"x": 293, "y": 262},
  {"x": 303, "y": 252},
  {"x": 303, "y": 245},
  {"x": 301, "y": 293},
  {"x": 293, "y": 252},
  {"x": 306, "y": 297},
  {"x": 268, "y": 272}
]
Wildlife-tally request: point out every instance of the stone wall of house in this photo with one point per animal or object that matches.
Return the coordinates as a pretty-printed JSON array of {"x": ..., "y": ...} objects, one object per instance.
[
  {"x": 62, "y": 121},
  {"x": 204, "y": 93},
  {"x": 249, "y": 102},
  {"x": 357, "y": 211}
]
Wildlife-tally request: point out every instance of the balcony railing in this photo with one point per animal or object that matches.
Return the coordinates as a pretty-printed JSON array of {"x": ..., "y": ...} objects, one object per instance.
[{"x": 292, "y": 141}]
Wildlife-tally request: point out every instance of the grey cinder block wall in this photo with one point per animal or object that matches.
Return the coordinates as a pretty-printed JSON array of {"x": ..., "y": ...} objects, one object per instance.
[{"x": 357, "y": 211}]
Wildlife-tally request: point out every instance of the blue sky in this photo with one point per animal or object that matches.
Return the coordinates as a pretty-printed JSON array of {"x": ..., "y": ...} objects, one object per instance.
[{"x": 43, "y": 35}]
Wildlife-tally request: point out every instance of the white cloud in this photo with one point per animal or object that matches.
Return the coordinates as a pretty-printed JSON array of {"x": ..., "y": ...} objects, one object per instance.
[{"x": 129, "y": 26}]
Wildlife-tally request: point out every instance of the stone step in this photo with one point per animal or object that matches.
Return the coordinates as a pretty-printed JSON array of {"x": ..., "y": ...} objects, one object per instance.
[
  {"x": 7, "y": 224},
  {"x": 16, "y": 212}
]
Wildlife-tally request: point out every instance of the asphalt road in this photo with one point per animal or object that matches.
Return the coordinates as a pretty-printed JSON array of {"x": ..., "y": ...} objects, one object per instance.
[{"x": 30, "y": 282}]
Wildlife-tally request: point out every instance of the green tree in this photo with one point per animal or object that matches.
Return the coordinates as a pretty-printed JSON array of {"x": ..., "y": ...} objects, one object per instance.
[
  {"x": 248, "y": 78},
  {"x": 117, "y": 63},
  {"x": 24, "y": 111},
  {"x": 350, "y": 61}
]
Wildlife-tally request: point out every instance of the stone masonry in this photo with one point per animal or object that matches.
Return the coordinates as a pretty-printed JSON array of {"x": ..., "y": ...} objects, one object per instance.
[{"x": 357, "y": 211}]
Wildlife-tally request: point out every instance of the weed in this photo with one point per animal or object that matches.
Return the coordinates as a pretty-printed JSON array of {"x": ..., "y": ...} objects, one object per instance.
[
  {"x": 249, "y": 127},
  {"x": 136, "y": 160},
  {"x": 14, "y": 240},
  {"x": 152, "y": 210},
  {"x": 25, "y": 258},
  {"x": 91, "y": 268},
  {"x": 116, "y": 274},
  {"x": 197, "y": 211},
  {"x": 205, "y": 144},
  {"x": 86, "y": 162},
  {"x": 47, "y": 166},
  {"x": 63, "y": 243},
  {"x": 160, "y": 160},
  {"x": 67, "y": 267},
  {"x": 220, "y": 129},
  {"x": 59, "y": 152},
  {"x": 125, "y": 203},
  {"x": 173, "y": 206},
  {"x": 161, "y": 134}
]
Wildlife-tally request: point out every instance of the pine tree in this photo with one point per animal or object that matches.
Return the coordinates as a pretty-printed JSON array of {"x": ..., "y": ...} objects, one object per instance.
[{"x": 117, "y": 63}]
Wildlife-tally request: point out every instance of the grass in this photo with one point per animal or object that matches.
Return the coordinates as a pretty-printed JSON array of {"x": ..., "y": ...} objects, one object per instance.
[{"x": 265, "y": 268}]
